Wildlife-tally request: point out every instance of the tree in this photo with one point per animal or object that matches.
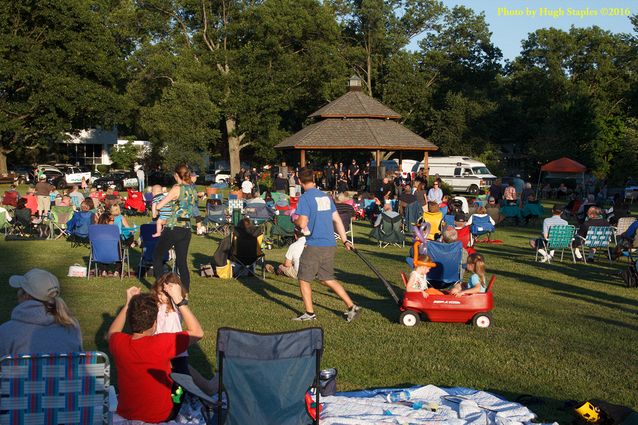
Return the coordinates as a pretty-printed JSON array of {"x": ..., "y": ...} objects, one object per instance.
[
  {"x": 60, "y": 69},
  {"x": 124, "y": 156}
]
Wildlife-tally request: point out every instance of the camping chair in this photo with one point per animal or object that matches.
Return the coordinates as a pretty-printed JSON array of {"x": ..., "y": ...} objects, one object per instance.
[
  {"x": 65, "y": 388},
  {"x": 58, "y": 217},
  {"x": 389, "y": 231},
  {"x": 559, "y": 237},
  {"x": 413, "y": 212},
  {"x": 134, "y": 203},
  {"x": 235, "y": 204},
  {"x": 258, "y": 214},
  {"x": 348, "y": 226},
  {"x": 597, "y": 237},
  {"x": 10, "y": 198},
  {"x": 448, "y": 220},
  {"x": 215, "y": 220},
  {"x": 5, "y": 225},
  {"x": 621, "y": 227},
  {"x": 24, "y": 227},
  {"x": 435, "y": 220},
  {"x": 464, "y": 235},
  {"x": 266, "y": 376},
  {"x": 106, "y": 247},
  {"x": 148, "y": 247},
  {"x": 532, "y": 211},
  {"x": 481, "y": 226},
  {"x": 283, "y": 230},
  {"x": 246, "y": 251},
  {"x": 448, "y": 257},
  {"x": 511, "y": 213},
  {"x": 78, "y": 228}
]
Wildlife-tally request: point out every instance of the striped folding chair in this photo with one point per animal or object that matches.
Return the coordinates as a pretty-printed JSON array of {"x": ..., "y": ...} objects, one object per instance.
[
  {"x": 66, "y": 388},
  {"x": 560, "y": 237},
  {"x": 598, "y": 237}
]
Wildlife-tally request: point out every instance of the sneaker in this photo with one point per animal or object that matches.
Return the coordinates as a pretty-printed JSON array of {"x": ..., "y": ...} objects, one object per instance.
[
  {"x": 545, "y": 259},
  {"x": 305, "y": 317},
  {"x": 578, "y": 254},
  {"x": 352, "y": 313}
]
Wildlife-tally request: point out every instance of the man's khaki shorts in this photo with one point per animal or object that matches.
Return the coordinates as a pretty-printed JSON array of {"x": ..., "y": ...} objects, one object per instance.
[{"x": 317, "y": 262}]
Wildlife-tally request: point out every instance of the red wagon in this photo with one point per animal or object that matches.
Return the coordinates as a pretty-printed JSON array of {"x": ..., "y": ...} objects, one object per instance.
[{"x": 473, "y": 308}]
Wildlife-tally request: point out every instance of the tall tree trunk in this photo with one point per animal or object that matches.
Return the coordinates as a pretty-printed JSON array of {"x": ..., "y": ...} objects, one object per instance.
[
  {"x": 3, "y": 161},
  {"x": 234, "y": 146}
]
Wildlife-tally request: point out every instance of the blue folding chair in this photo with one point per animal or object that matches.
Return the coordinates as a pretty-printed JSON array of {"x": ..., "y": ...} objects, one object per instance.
[
  {"x": 448, "y": 257},
  {"x": 448, "y": 219},
  {"x": 106, "y": 247},
  {"x": 481, "y": 226},
  {"x": 216, "y": 220},
  {"x": 270, "y": 373},
  {"x": 148, "y": 247}
]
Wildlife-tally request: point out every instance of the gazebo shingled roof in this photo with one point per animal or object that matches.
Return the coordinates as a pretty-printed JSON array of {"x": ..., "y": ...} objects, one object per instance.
[
  {"x": 356, "y": 121},
  {"x": 361, "y": 133},
  {"x": 355, "y": 104}
]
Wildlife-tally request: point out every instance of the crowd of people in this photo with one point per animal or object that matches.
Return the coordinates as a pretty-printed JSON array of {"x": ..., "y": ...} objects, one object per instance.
[{"x": 161, "y": 324}]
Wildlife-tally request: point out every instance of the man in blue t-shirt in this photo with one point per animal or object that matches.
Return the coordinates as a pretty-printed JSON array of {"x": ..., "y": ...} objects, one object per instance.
[{"x": 318, "y": 216}]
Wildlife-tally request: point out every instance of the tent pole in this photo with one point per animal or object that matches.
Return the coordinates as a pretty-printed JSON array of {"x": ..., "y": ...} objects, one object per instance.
[{"x": 538, "y": 185}]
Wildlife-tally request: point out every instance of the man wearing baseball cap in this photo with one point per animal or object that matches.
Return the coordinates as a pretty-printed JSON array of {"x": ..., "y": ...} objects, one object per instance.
[{"x": 41, "y": 322}]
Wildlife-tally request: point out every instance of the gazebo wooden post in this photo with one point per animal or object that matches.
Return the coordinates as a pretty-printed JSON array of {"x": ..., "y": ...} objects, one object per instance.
[
  {"x": 302, "y": 160},
  {"x": 425, "y": 164},
  {"x": 378, "y": 161},
  {"x": 401, "y": 161}
]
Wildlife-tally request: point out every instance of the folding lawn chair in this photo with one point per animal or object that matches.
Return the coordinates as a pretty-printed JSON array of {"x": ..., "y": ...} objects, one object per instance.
[
  {"x": 412, "y": 213},
  {"x": 346, "y": 213},
  {"x": 106, "y": 247},
  {"x": 246, "y": 251},
  {"x": 511, "y": 213},
  {"x": 266, "y": 376},
  {"x": 622, "y": 226},
  {"x": 597, "y": 237},
  {"x": 58, "y": 217},
  {"x": 65, "y": 388},
  {"x": 215, "y": 220},
  {"x": 259, "y": 214},
  {"x": 148, "y": 247},
  {"x": 481, "y": 226},
  {"x": 10, "y": 198},
  {"x": 448, "y": 257},
  {"x": 282, "y": 230},
  {"x": 5, "y": 225},
  {"x": 389, "y": 231},
  {"x": 435, "y": 220},
  {"x": 559, "y": 237},
  {"x": 532, "y": 211}
]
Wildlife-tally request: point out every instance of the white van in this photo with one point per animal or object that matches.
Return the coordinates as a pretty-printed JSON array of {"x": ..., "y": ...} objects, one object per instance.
[{"x": 462, "y": 173}]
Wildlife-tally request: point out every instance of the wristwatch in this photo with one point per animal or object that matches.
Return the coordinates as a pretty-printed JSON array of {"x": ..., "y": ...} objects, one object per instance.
[{"x": 184, "y": 301}]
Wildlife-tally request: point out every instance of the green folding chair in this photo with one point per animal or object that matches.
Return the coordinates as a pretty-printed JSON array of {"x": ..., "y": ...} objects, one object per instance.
[
  {"x": 597, "y": 237},
  {"x": 559, "y": 238}
]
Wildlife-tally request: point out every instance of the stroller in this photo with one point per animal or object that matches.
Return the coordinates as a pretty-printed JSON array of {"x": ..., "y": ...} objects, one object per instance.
[{"x": 134, "y": 204}]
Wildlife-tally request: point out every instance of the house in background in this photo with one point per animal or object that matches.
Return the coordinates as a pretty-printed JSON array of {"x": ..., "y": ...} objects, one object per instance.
[{"x": 94, "y": 146}]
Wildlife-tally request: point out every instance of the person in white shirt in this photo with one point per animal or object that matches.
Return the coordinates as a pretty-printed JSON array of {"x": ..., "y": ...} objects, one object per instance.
[
  {"x": 140, "y": 179},
  {"x": 247, "y": 186},
  {"x": 290, "y": 267}
]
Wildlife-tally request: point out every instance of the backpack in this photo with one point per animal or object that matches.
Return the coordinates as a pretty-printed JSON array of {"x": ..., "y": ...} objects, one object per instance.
[{"x": 630, "y": 276}]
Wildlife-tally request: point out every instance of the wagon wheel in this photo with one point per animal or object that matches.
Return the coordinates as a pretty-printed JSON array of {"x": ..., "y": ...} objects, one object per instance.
[
  {"x": 482, "y": 320},
  {"x": 409, "y": 318}
]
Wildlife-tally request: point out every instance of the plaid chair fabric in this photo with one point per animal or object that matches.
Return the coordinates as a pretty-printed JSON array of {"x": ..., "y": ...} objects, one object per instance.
[
  {"x": 67, "y": 388},
  {"x": 234, "y": 204},
  {"x": 598, "y": 236}
]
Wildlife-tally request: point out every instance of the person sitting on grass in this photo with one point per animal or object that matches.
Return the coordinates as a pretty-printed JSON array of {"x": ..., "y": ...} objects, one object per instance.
[
  {"x": 418, "y": 282},
  {"x": 169, "y": 320},
  {"x": 290, "y": 267},
  {"x": 41, "y": 322},
  {"x": 477, "y": 282},
  {"x": 143, "y": 358}
]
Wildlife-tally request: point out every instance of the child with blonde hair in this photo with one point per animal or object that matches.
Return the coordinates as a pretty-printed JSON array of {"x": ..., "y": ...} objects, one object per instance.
[
  {"x": 477, "y": 281},
  {"x": 418, "y": 282}
]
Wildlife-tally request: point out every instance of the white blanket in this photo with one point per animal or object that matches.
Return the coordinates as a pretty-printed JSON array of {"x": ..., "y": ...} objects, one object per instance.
[{"x": 453, "y": 406}]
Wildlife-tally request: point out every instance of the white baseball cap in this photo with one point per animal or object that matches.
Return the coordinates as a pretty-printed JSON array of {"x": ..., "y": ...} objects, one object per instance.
[{"x": 38, "y": 283}]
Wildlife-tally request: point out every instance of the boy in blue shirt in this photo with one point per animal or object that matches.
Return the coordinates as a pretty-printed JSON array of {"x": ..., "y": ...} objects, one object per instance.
[{"x": 318, "y": 213}]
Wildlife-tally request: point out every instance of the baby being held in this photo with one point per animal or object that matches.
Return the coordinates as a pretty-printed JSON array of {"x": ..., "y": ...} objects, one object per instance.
[{"x": 163, "y": 213}]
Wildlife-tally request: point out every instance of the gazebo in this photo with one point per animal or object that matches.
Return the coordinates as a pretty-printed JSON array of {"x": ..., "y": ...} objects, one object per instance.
[{"x": 356, "y": 121}]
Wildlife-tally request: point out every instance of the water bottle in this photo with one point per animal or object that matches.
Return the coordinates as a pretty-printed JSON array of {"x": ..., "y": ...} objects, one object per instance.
[{"x": 397, "y": 396}]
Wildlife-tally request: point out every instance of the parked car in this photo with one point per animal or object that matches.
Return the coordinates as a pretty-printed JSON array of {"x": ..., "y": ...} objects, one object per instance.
[
  {"x": 120, "y": 178},
  {"x": 55, "y": 177},
  {"x": 24, "y": 173},
  {"x": 73, "y": 174},
  {"x": 222, "y": 176}
]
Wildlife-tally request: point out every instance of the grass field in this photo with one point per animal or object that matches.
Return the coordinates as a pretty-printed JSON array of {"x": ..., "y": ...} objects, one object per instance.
[{"x": 560, "y": 331}]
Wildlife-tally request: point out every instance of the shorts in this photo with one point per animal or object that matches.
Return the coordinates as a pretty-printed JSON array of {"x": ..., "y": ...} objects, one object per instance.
[
  {"x": 317, "y": 262},
  {"x": 44, "y": 203}
]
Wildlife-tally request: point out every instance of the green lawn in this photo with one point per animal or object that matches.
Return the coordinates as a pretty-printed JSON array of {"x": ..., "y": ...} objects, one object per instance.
[{"x": 560, "y": 331}]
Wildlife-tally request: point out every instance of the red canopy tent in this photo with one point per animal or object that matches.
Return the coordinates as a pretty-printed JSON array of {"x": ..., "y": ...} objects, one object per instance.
[
  {"x": 562, "y": 168},
  {"x": 564, "y": 165}
]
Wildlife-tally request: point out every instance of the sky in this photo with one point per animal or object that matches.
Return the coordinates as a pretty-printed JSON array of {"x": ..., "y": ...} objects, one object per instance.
[{"x": 511, "y": 20}]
